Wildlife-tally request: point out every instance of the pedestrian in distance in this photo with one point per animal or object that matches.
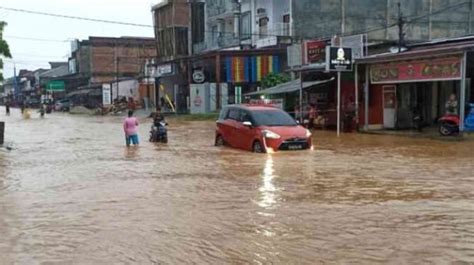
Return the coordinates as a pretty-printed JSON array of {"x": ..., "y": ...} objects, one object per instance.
[
  {"x": 130, "y": 129},
  {"x": 7, "y": 107}
]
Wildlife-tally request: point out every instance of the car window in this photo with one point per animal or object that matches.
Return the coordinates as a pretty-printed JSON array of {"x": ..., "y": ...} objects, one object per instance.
[
  {"x": 234, "y": 114},
  {"x": 223, "y": 114},
  {"x": 245, "y": 116},
  {"x": 273, "y": 118}
]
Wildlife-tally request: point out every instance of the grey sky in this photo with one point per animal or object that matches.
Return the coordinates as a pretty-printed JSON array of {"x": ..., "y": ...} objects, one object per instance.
[{"x": 29, "y": 54}]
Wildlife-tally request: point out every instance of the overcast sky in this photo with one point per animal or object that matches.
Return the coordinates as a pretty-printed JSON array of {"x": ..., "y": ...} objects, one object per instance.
[{"x": 30, "y": 54}]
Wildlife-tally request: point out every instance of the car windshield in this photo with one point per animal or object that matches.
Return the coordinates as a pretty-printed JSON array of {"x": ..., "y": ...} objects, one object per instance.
[{"x": 273, "y": 118}]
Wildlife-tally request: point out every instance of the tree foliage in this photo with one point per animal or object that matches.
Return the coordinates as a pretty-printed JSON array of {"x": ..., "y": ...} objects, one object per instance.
[
  {"x": 274, "y": 79},
  {"x": 4, "y": 49}
]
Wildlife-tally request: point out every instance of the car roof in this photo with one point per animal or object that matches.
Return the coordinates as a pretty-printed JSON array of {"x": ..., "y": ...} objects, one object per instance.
[{"x": 253, "y": 107}]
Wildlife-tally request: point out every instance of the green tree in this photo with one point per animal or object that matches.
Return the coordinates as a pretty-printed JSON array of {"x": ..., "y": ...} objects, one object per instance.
[
  {"x": 4, "y": 49},
  {"x": 274, "y": 79}
]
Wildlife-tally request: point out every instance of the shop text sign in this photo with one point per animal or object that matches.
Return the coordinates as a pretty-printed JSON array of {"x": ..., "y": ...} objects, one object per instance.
[
  {"x": 315, "y": 52},
  {"x": 416, "y": 71}
]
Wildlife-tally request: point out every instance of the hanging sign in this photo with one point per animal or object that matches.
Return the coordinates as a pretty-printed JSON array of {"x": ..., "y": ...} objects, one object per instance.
[
  {"x": 338, "y": 59},
  {"x": 199, "y": 77}
]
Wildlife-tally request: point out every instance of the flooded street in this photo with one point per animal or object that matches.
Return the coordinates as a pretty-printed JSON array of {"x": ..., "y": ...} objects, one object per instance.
[{"x": 70, "y": 192}]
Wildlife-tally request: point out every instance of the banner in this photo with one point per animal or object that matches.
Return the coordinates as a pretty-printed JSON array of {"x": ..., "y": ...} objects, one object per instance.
[{"x": 416, "y": 71}]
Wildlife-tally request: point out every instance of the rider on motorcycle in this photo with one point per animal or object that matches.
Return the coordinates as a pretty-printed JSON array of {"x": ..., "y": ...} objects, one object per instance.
[{"x": 452, "y": 105}]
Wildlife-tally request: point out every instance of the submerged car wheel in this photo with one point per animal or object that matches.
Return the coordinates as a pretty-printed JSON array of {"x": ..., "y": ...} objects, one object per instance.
[
  {"x": 257, "y": 147},
  {"x": 219, "y": 141}
]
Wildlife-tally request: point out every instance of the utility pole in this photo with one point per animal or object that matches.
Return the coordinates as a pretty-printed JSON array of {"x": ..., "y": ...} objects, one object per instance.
[{"x": 401, "y": 24}]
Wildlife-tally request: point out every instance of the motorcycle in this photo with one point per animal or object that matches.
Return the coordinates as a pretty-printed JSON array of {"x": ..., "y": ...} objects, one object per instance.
[
  {"x": 449, "y": 124},
  {"x": 159, "y": 132}
]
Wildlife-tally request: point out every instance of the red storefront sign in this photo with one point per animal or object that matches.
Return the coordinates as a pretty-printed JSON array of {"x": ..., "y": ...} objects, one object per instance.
[
  {"x": 315, "y": 52},
  {"x": 417, "y": 71}
]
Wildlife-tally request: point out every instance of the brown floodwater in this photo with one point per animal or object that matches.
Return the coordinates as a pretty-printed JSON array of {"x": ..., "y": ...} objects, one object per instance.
[{"x": 70, "y": 192}]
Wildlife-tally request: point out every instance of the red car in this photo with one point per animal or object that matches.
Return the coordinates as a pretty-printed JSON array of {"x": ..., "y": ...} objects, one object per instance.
[{"x": 260, "y": 129}]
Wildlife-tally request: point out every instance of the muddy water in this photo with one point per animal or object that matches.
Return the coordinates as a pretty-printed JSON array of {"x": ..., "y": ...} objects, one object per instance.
[{"x": 71, "y": 193}]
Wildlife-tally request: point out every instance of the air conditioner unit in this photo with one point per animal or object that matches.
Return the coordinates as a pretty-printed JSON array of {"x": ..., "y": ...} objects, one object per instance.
[{"x": 261, "y": 12}]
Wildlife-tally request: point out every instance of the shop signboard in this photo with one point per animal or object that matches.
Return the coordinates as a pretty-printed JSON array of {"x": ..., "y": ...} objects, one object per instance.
[
  {"x": 163, "y": 70},
  {"x": 56, "y": 86},
  {"x": 199, "y": 77},
  {"x": 442, "y": 69},
  {"x": 315, "y": 52},
  {"x": 339, "y": 59},
  {"x": 276, "y": 102}
]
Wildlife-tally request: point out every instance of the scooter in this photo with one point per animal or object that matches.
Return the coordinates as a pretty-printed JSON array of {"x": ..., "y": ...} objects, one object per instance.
[
  {"x": 159, "y": 133},
  {"x": 449, "y": 124}
]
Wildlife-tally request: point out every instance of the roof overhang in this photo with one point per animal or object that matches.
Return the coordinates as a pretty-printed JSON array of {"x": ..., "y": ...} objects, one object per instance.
[
  {"x": 289, "y": 87},
  {"x": 420, "y": 52},
  {"x": 160, "y": 5}
]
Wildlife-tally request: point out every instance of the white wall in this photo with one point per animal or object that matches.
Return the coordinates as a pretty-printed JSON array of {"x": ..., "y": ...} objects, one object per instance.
[
  {"x": 275, "y": 9},
  {"x": 127, "y": 88}
]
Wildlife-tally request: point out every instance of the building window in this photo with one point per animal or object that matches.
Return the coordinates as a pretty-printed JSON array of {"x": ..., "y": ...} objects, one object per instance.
[
  {"x": 246, "y": 25},
  {"x": 263, "y": 27},
  {"x": 214, "y": 34},
  {"x": 198, "y": 25}
]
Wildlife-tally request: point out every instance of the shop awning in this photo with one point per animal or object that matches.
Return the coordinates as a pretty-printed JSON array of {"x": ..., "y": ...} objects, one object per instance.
[{"x": 288, "y": 87}]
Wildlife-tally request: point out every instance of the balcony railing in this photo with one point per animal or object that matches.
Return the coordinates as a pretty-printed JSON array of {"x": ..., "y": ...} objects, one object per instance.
[{"x": 276, "y": 29}]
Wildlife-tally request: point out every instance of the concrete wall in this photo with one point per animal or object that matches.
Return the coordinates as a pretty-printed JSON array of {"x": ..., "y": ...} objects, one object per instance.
[{"x": 324, "y": 18}]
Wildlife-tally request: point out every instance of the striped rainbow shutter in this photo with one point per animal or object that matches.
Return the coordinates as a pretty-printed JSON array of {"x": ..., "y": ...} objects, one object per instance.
[{"x": 228, "y": 69}]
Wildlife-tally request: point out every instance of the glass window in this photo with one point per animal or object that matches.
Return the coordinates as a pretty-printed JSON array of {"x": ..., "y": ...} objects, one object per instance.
[
  {"x": 273, "y": 118},
  {"x": 234, "y": 114},
  {"x": 246, "y": 25}
]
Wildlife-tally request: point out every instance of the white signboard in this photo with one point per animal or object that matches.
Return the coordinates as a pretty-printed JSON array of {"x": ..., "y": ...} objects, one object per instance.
[
  {"x": 198, "y": 98},
  {"x": 356, "y": 42},
  {"x": 266, "y": 42},
  {"x": 294, "y": 54},
  {"x": 165, "y": 69},
  {"x": 106, "y": 94}
]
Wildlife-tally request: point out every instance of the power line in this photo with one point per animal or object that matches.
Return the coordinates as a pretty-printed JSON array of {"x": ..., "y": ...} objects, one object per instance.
[
  {"x": 75, "y": 17},
  {"x": 34, "y": 39}
]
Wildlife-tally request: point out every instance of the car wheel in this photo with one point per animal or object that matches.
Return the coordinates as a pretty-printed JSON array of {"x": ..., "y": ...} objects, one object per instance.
[
  {"x": 258, "y": 148},
  {"x": 445, "y": 130},
  {"x": 219, "y": 141}
]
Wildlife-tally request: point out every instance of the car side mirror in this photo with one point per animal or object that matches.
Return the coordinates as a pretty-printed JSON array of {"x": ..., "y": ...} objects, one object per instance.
[{"x": 247, "y": 124}]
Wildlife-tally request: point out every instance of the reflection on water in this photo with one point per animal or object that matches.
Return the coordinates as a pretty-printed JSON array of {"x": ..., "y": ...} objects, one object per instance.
[
  {"x": 268, "y": 190},
  {"x": 71, "y": 193}
]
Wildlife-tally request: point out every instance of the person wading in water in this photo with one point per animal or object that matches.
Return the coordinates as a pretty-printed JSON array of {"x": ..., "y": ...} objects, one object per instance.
[{"x": 130, "y": 128}]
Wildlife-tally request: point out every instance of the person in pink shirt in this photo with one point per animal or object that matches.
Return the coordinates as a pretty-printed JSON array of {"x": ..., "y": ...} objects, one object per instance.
[{"x": 130, "y": 128}]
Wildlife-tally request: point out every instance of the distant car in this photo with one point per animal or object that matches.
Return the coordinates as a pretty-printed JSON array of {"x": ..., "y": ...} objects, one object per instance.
[
  {"x": 62, "y": 105},
  {"x": 33, "y": 102},
  {"x": 260, "y": 129}
]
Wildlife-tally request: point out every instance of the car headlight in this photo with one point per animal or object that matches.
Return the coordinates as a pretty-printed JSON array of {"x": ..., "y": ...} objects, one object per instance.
[
  {"x": 308, "y": 133},
  {"x": 270, "y": 134}
]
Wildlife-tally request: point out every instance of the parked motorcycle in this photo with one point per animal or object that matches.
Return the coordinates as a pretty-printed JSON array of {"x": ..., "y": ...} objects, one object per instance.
[
  {"x": 449, "y": 124},
  {"x": 159, "y": 132}
]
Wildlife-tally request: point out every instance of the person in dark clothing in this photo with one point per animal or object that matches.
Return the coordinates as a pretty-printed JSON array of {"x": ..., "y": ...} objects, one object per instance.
[{"x": 7, "y": 107}]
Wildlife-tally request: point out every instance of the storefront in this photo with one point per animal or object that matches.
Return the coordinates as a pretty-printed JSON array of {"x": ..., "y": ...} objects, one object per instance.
[{"x": 416, "y": 84}]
